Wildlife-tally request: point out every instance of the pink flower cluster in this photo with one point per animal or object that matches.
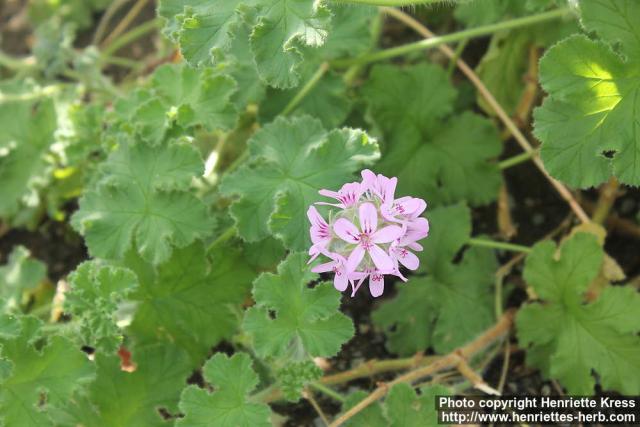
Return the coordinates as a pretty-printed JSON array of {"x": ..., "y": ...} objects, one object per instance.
[{"x": 388, "y": 230}]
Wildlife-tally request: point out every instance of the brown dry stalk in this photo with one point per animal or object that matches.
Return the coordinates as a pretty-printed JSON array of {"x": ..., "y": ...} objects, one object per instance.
[
  {"x": 451, "y": 360},
  {"x": 491, "y": 100}
]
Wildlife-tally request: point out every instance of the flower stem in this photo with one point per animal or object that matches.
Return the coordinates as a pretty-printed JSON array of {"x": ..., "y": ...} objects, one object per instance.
[
  {"x": 484, "y": 243},
  {"x": 451, "y": 38},
  {"x": 226, "y": 235},
  {"x": 328, "y": 391},
  {"x": 131, "y": 36},
  {"x": 308, "y": 87},
  {"x": 516, "y": 160}
]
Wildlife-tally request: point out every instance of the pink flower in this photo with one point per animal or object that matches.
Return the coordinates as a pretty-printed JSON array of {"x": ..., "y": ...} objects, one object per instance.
[
  {"x": 348, "y": 195},
  {"x": 338, "y": 266},
  {"x": 366, "y": 238},
  {"x": 388, "y": 231},
  {"x": 320, "y": 232}
]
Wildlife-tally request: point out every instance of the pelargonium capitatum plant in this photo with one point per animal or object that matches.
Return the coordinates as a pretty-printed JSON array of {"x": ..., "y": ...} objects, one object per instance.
[{"x": 369, "y": 233}]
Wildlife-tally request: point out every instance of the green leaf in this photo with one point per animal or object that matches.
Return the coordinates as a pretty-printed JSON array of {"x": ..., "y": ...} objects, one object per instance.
[
  {"x": 351, "y": 34},
  {"x": 569, "y": 339},
  {"x": 21, "y": 273},
  {"x": 290, "y": 160},
  {"x": 187, "y": 302},
  {"x": 441, "y": 162},
  {"x": 280, "y": 29},
  {"x": 305, "y": 322},
  {"x": 590, "y": 122},
  {"x": 122, "y": 399},
  {"x": 295, "y": 376},
  {"x": 26, "y": 133},
  {"x": 181, "y": 96},
  {"x": 39, "y": 380},
  {"x": 450, "y": 306},
  {"x": 371, "y": 416},
  {"x": 229, "y": 405},
  {"x": 143, "y": 196},
  {"x": 406, "y": 409},
  {"x": 96, "y": 293}
]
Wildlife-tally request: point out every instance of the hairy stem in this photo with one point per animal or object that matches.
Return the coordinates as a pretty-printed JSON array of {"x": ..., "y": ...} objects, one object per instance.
[
  {"x": 436, "y": 41},
  {"x": 451, "y": 360},
  {"x": 517, "y": 159},
  {"x": 126, "y": 21},
  {"x": 495, "y": 105},
  {"x": 607, "y": 198},
  {"x": 131, "y": 36},
  {"x": 308, "y": 87},
  {"x": 498, "y": 245},
  {"x": 328, "y": 391}
]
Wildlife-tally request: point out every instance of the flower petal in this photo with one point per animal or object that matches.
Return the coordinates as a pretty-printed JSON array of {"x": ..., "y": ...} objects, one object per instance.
[
  {"x": 380, "y": 258},
  {"x": 408, "y": 259},
  {"x": 355, "y": 258},
  {"x": 376, "y": 284},
  {"x": 368, "y": 218},
  {"x": 323, "y": 268},
  {"x": 346, "y": 230},
  {"x": 340, "y": 280},
  {"x": 315, "y": 218},
  {"x": 387, "y": 234}
]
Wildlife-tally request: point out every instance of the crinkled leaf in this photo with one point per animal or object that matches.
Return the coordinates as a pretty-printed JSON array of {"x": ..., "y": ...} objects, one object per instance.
[
  {"x": 453, "y": 303},
  {"x": 180, "y": 97},
  {"x": 328, "y": 100},
  {"x": 21, "y": 273},
  {"x": 443, "y": 163},
  {"x": 305, "y": 322},
  {"x": 294, "y": 377},
  {"x": 590, "y": 122},
  {"x": 187, "y": 302},
  {"x": 290, "y": 160},
  {"x": 96, "y": 293},
  {"x": 280, "y": 29},
  {"x": 26, "y": 133},
  {"x": 143, "y": 196},
  {"x": 569, "y": 339},
  {"x": 39, "y": 380},
  {"x": 118, "y": 398},
  {"x": 229, "y": 405}
]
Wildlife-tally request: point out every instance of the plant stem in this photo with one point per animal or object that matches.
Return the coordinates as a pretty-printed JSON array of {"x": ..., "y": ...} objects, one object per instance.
[
  {"x": 126, "y": 21},
  {"x": 517, "y": 159},
  {"x": 106, "y": 18},
  {"x": 390, "y": 3},
  {"x": 131, "y": 36},
  {"x": 328, "y": 391},
  {"x": 451, "y": 360},
  {"x": 607, "y": 198},
  {"x": 16, "y": 63},
  {"x": 226, "y": 235},
  {"x": 498, "y": 245},
  {"x": 373, "y": 367},
  {"x": 458, "y": 53},
  {"x": 495, "y": 105},
  {"x": 453, "y": 37},
  {"x": 308, "y": 87}
]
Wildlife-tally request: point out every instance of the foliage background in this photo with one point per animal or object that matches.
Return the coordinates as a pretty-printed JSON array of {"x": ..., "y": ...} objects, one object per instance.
[{"x": 157, "y": 161}]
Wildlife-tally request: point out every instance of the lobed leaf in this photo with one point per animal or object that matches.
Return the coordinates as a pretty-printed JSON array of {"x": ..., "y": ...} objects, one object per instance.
[
  {"x": 441, "y": 162},
  {"x": 229, "y": 405},
  {"x": 453, "y": 303},
  {"x": 569, "y": 339},
  {"x": 96, "y": 293},
  {"x": 590, "y": 122},
  {"x": 143, "y": 197},
  {"x": 290, "y": 160},
  {"x": 304, "y": 322}
]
